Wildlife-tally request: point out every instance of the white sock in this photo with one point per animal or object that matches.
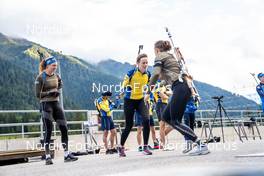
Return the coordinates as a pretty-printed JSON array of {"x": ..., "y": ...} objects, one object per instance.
[
  {"x": 66, "y": 153},
  {"x": 48, "y": 156}
]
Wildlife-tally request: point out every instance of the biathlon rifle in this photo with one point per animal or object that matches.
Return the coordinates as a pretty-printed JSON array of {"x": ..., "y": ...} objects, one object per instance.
[
  {"x": 253, "y": 75},
  {"x": 184, "y": 74}
]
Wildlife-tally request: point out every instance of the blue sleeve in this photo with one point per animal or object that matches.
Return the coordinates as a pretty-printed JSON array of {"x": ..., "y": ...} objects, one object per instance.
[
  {"x": 260, "y": 91},
  {"x": 117, "y": 103},
  {"x": 190, "y": 107},
  {"x": 111, "y": 107},
  {"x": 149, "y": 75}
]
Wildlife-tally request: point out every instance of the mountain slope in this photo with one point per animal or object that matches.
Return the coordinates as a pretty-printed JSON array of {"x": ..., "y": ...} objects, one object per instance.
[
  {"x": 19, "y": 60},
  {"x": 19, "y": 67}
]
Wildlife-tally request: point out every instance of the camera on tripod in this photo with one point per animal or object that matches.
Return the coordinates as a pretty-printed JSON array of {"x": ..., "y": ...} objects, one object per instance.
[
  {"x": 220, "y": 109},
  {"x": 218, "y": 97}
]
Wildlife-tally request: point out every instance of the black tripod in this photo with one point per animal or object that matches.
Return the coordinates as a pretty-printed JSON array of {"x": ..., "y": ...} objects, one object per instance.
[{"x": 220, "y": 108}]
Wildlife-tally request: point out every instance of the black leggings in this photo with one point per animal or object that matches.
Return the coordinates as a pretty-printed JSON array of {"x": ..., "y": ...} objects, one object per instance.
[
  {"x": 189, "y": 120},
  {"x": 174, "y": 111},
  {"x": 130, "y": 106},
  {"x": 49, "y": 111}
]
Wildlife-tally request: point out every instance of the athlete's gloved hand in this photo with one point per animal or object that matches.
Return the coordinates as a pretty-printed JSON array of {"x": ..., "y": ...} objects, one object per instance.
[{"x": 54, "y": 93}]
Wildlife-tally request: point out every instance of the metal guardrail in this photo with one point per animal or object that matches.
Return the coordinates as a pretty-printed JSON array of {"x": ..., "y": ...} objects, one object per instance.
[
  {"x": 39, "y": 124},
  {"x": 200, "y": 115},
  {"x": 89, "y": 113}
]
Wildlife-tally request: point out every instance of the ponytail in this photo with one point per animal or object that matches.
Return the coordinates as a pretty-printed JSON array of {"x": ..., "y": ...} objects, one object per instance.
[{"x": 42, "y": 66}]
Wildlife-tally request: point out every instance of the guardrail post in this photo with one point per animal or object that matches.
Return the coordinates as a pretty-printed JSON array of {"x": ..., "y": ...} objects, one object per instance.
[
  {"x": 201, "y": 115},
  {"x": 87, "y": 114},
  {"x": 23, "y": 131},
  {"x": 82, "y": 129}
]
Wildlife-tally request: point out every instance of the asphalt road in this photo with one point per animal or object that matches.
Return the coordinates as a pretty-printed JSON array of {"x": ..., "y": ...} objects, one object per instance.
[{"x": 221, "y": 161}]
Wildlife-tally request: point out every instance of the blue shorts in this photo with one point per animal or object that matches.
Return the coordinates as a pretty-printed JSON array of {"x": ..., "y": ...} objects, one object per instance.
[
  {"x": 139, "y": 120},
  {"x": 107, "y": 123},
  {"x": 159, "y": 109}
]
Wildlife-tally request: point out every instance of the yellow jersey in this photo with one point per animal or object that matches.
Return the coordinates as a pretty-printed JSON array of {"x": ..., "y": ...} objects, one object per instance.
[{"x": 135, "y": 83}]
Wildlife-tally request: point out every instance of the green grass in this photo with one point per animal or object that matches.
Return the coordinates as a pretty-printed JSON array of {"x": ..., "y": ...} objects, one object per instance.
[{"x": 10, "y": 137}]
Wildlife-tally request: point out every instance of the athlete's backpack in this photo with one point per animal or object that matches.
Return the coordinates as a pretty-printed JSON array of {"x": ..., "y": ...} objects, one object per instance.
[{"x": 134, "y": 71}]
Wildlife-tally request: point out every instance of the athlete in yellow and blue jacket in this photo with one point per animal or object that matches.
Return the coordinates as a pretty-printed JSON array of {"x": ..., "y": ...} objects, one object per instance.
[
  {"x": 134, "y": 84},
  {"x": 105, "y": 106}
]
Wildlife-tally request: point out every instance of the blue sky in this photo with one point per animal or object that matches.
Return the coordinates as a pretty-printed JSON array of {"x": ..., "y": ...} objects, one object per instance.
[{"x": 221, "y": 40}]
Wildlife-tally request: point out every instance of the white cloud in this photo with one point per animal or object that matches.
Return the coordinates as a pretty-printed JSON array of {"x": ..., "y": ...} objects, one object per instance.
[{"x": 222, "y": 39}]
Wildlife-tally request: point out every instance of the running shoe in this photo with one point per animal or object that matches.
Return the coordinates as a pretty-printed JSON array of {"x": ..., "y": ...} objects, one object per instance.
[
  {"x": 150, "y": 148},
  {"x": 122, "y": 152},
  {"x": 199, "y": 150},
  {"x": 70, "y": 158},
  {"x": 49, "y": 161},
  {"x": 168, "y": 148},
  {"x": 156, "y": 145},
  {"x": 114, "y": 150},
  {"x": 188, "y": 147},
  {"x": 109, "y": 151},
  {"x": 146, "y": 151}
]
